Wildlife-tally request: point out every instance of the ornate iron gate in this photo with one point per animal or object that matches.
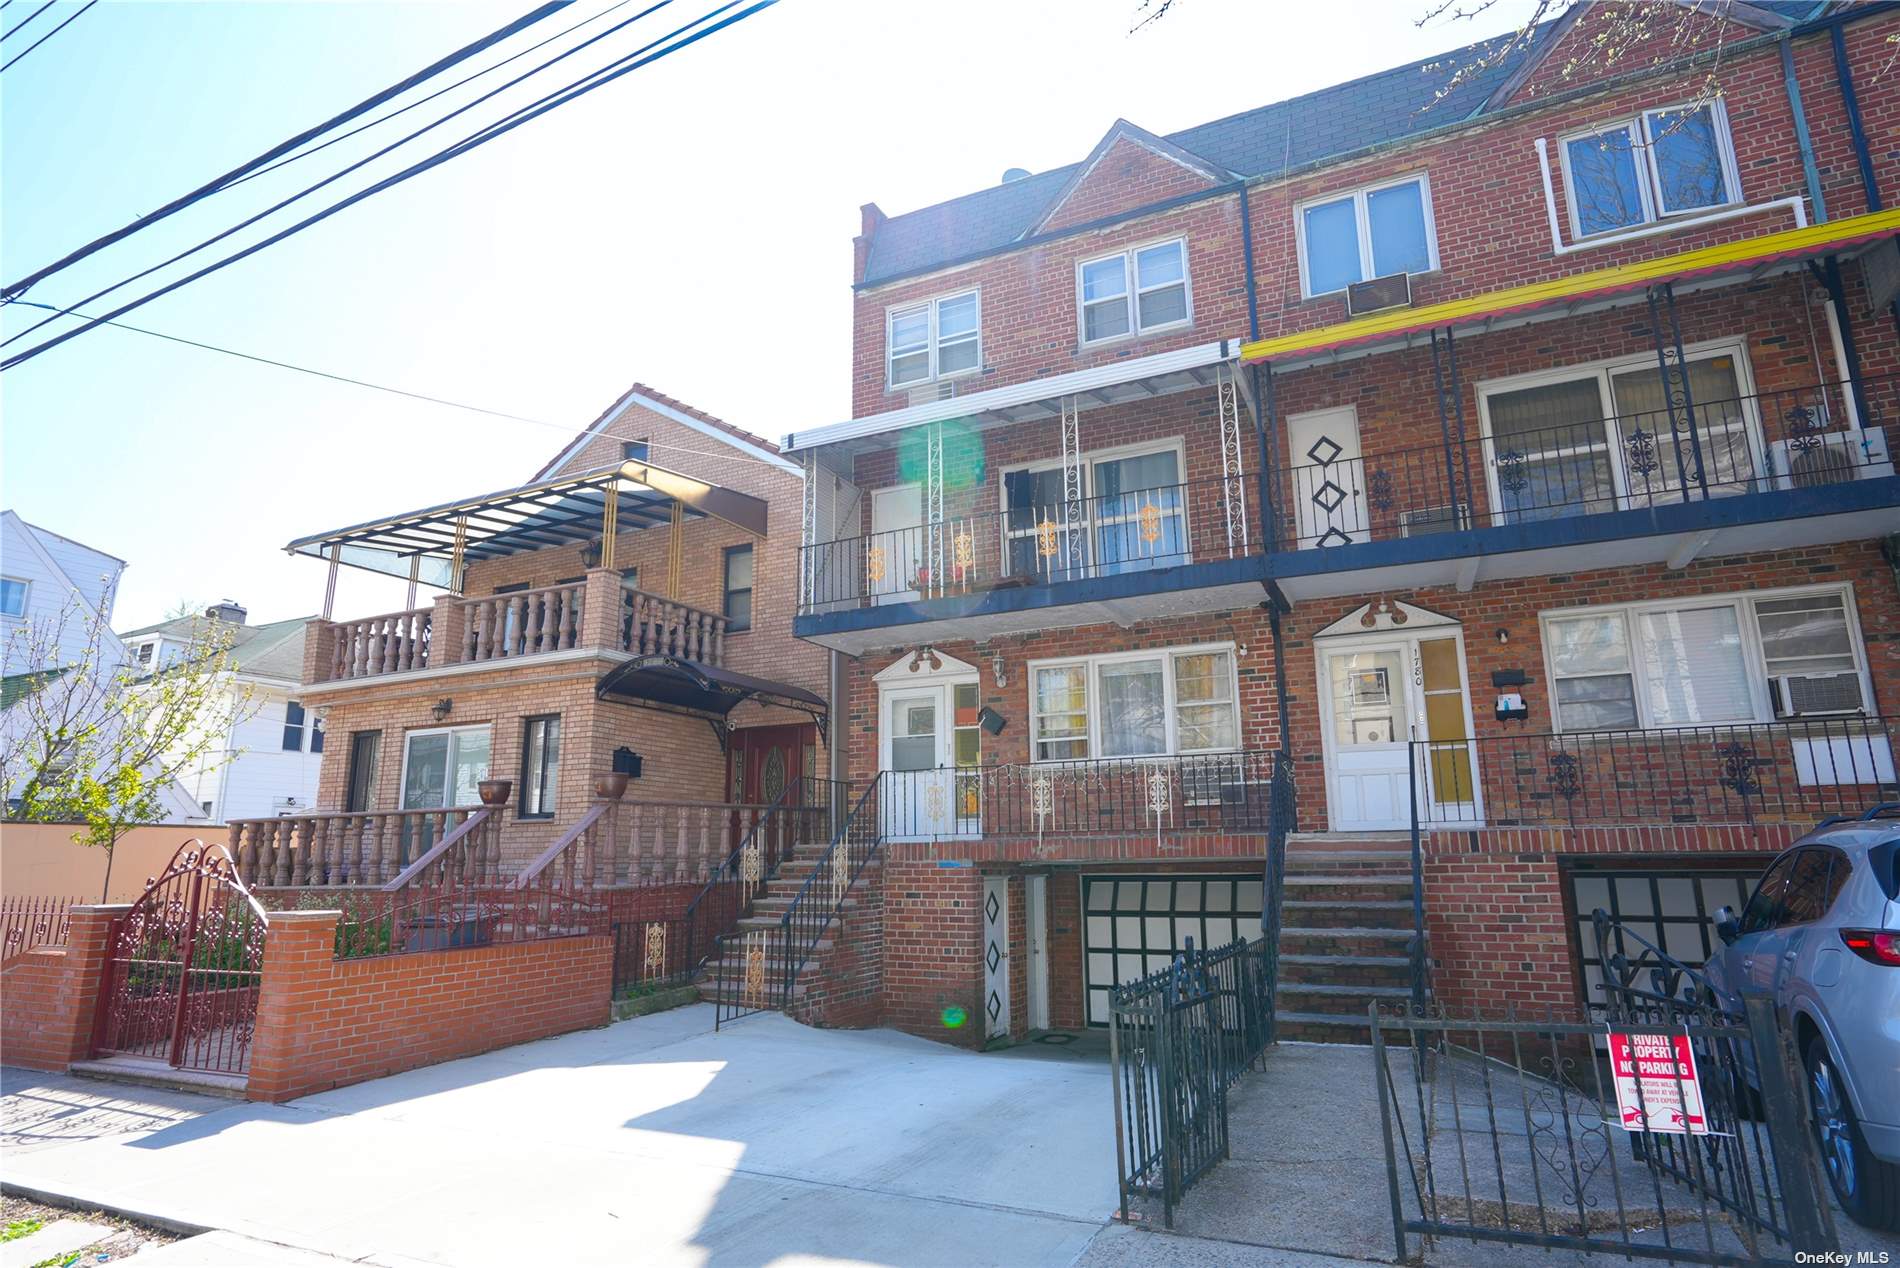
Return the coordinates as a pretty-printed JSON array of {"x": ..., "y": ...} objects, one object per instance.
[{"x": 184, "y": 966}]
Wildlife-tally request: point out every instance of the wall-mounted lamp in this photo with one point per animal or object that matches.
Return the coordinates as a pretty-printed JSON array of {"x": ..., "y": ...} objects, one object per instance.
[
  {"x": 440, "y": 709},
  {"x": 996, "y": 670},
  {"x": 590, "y": 554},
  {"x": 923, "y": 654},
  {"x": 1504, "y": 635}
]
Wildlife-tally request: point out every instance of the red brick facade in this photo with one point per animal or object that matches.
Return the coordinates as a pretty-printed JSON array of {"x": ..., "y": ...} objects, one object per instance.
[{"x": 52, "y": 994}]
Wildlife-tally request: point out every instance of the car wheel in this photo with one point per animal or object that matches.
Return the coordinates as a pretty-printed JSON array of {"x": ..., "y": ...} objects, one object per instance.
[{"x": 1867, "y": 1188}]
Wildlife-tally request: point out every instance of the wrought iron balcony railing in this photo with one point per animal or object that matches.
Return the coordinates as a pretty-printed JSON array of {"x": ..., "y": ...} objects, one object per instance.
[
  {"x": 1557, "y": 467},
  {"x": 1036, "y": 542}
]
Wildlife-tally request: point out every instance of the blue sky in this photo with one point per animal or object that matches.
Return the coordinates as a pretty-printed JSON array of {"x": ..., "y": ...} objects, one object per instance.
[{"x": 689, "y": 226}]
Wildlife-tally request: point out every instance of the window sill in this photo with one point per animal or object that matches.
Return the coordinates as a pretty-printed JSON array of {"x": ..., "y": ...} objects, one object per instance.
[
  {"x": 1133, "y": 336},
  {"x": 1341, "y": 293}
]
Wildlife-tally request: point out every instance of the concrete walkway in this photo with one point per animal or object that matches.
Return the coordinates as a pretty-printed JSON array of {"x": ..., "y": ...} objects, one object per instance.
[{"x": 652, "y": 1141}]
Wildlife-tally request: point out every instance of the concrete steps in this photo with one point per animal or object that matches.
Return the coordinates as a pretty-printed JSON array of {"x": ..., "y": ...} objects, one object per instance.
[
  {"x": 765, "y": 914},
  {"x": 1346, "y": 925}
]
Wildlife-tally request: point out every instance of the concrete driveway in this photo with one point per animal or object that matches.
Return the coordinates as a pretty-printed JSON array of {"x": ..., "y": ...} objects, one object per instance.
[{"x": 652, "y": 1141}]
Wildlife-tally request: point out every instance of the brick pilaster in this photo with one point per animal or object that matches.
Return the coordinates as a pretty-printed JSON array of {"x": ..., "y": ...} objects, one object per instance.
[
  {"x": 600, "y": 610},
  {"x": 448, "y": 629},
  {"x": 299, "y": 953},
  {"x": 319, "y": 650}
]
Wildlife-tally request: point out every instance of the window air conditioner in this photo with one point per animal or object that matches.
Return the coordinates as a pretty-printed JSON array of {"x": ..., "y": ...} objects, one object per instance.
[
  {"x": 1840, "y": 456},
  {"x": 1432, "y": 519},
  {"x": 930, "y": 392},
  {"x": 1391, "y": 291},
  {"x": 1799, "y": 695}
]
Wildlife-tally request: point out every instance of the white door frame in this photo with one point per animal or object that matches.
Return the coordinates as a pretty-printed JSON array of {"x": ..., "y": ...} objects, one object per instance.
[
  {"x": 995, "y": 1003},
  {"x": 1036, "y": 923},
  {"x": 897, "y": 682},
  {"x": 1411, "y": 669}
]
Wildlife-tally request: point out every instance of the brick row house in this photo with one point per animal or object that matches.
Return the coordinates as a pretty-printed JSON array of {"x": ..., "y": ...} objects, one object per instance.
[
  {"x": 1497, "y": 463},
  {"x": 628, "y": 610}
]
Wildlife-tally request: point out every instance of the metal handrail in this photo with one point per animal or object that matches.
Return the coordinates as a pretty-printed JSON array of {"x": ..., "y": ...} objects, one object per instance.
[{"x": 794, "y": 958}]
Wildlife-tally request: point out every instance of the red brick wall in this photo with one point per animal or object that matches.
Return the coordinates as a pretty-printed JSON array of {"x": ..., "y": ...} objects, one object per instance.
[
  {"x": 1129, "y": 176},
  {"x": 324, "y": 1022},
  {"x": 52, "y": 994},
  {"x": 933, "y": 949},
  {"x": 842, "y": 986}
]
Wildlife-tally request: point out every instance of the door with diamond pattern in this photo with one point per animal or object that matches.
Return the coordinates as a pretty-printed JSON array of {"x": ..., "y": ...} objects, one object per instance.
[
  {"x": 995, "y": 956},
  {"x": 1329, "y": 500}
]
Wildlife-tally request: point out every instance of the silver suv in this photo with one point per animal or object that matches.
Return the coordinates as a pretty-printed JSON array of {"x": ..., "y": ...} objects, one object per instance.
[{"x": 1822, "y": 934}]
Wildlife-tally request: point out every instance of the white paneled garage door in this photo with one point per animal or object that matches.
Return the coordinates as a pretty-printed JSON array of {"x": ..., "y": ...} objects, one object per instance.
[{"x": 1133, "y": 925}]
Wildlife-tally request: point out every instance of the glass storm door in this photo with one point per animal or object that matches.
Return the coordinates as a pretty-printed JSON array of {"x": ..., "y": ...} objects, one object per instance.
[
  {"x": 920, "y": 800},
  {"x": 1368, "y": 713}
]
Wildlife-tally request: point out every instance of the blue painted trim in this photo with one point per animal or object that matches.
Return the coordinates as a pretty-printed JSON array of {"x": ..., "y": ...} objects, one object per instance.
[
  {"x": 1586, "y": 530},
  {"x": 1055, "y": 594}
]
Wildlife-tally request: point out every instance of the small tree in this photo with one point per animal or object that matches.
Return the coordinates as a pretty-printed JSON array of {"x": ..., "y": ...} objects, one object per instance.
[{"x": 93, "y": 739}]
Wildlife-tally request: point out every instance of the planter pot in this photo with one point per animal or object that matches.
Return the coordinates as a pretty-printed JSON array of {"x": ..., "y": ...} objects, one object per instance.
[
  {"x": 610, "y": 787},
  {"x": 495, "y": 792}
]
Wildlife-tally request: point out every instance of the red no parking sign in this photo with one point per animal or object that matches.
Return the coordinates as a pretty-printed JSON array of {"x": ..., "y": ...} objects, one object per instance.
[{"x": 1656, "y": 1085}]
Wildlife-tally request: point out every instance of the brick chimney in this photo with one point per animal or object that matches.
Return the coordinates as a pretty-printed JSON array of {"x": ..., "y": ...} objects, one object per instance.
[{"x": 228, "y": 611}]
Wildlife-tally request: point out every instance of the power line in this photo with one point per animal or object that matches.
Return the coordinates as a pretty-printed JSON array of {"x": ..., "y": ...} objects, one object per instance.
[
  {"x": 565, "y": 429},
  {"x": 578, "y": 89},
  {"x": 360, "y": 163},
  {"x": 28, "y": 18},
  {"x": 49, "y": 35},
  {"x": 277, "y": 151}
]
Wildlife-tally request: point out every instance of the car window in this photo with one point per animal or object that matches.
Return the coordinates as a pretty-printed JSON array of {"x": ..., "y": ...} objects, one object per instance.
[
  {"x": 1807, "y": 897},
  {"x": 1764, "y": 907}
]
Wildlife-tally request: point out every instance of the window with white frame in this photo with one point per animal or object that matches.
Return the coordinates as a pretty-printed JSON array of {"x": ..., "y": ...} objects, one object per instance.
[
  {"x": 441, "y": 767},
  {"x": 12, "y": 596},
  {"x": 933, "y": 340},
  {"x": 1665, "y": 162},
  {"x": 1134, "y": 291},
  {"x": 1145, "y": 704},
  {"x": 299, "y": 726},
  {"x": 1711, "y": 659},
  {"x": 1372, "y": 232}
]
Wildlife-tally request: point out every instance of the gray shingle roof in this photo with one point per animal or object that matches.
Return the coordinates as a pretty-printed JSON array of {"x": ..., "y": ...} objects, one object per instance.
[
  {"x": 1376, "y": 109},
  {"x": 273, "y": 650}
]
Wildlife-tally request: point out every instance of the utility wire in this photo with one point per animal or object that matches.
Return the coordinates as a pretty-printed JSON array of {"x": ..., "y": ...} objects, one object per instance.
[
  {"x": 49, "y": 35},
  {"x": 440, "y": 92},
  {"x": 565, "y": 429},
  {"x": 580, "y": 88},
  {"x": 23, "y": 21},
  {"x": 278, "y": 151},
  {"x": 360, "y": 163}
]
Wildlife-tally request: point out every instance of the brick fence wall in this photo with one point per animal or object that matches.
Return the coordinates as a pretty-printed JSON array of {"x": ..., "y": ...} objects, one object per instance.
[
  {"x": 52, "y": 994},
  {"x": 324, "y": 1022}
]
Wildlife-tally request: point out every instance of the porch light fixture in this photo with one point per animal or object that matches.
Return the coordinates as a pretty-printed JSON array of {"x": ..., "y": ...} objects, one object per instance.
[
  {"x": 996, "y": 670},
  {"x": 590, "y": 554},
  {"x": 925, "y": 655},
  {"x": 440, "y": 709},
  {"x": 1504, "y": 635}
]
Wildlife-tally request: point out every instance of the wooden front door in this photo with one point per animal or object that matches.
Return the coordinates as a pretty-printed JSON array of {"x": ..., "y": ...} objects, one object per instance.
[{"x": 765, "y": 760}]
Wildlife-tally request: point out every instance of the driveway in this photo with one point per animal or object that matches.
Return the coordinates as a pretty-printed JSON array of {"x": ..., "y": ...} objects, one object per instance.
[{"x": 650, "y": 1141}]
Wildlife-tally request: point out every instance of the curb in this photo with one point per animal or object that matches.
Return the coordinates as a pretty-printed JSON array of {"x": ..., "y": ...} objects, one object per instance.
[{"x": 75, "y": 1202}]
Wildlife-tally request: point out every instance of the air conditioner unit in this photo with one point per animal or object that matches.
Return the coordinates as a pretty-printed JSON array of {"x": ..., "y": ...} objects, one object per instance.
[
  {"x": 1391, "y": 291},
  {"x": 1209, "y": 781},
  {"x": 1799, "y": 695},
  {"x": 1433, "y": 519},
  {"x": 931, "y": 392},
  {"x": 1839, "y": 456}
]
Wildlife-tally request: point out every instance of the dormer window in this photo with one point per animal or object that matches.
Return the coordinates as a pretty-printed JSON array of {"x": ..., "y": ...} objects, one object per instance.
[
  {"x": 1372, "y": 232},
  {"x": 1668, "y": 162},
  {"x": 1136, "y": 291},
  {"x": 145, "y": 654},
  {"x": 933, "y": 340}
]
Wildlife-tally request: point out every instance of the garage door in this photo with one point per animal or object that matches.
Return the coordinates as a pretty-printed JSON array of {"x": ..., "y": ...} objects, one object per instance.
[
  {"x": 1135, "y": 924},
  {"x": 1674, "y": 910}
]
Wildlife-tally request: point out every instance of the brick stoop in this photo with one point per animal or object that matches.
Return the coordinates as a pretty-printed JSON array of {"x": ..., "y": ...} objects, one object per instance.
[{"x": 1345, "y": 924}]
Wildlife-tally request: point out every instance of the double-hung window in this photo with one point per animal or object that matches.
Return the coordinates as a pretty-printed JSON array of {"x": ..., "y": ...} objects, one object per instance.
[
  {"x": 1706, "y": 660},
  {"x": 12, "y": 596},
  {"x": 1135, "y": 705},
  {"x": 737, "y": 604},
  {"x": 1134, "y": 291},
  {"x": 296, "y": 724},
  {"x": 540, "y": 765},
  {"x": 933, "y": 340},
  {"x": 1371, "y": 232},
  {"x": 442, "y": 766},
  {"x": 1666, "y": 162}
]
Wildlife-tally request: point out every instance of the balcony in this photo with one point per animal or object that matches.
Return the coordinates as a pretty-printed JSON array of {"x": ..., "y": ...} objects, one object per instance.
[
  {"x": 1766, "y": 471},
  {"x": 498, "y": 629},
  {"x": 1129, "y": 555}
]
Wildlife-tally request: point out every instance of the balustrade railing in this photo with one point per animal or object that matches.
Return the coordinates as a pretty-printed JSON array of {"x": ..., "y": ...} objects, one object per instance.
[
  {"x": 389, "y": 644},
  {"x": 338, "y": 848},
  {"x": 655, "y": 626},
  {"x": 1551, "y": 460},
  {"x": 1034, "y": 540},
  {"x": 522, "y": 623}
]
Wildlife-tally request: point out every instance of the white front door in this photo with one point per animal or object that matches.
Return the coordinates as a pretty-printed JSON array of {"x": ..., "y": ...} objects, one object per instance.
[
  {"x": 1329, "y": 498},
  {"x": 1036, "y": 893},
  {"x": 896, "y": 549},
  {"x": 918, "y": 797},
  {"x": 995, "y": 956},
  {"x": 1368, "y": 713}
]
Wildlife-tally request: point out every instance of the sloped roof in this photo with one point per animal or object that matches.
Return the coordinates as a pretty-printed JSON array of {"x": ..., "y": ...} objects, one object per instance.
[
  {"x": 271, "y": 650},
  {"x": 1378, "y": 108},
  {"x": 630, "y": 396},
  {"x": 17, "y": 687}
]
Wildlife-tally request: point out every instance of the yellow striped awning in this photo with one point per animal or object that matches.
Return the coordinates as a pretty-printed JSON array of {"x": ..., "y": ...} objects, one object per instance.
[{"x": 1725, "y": 257}]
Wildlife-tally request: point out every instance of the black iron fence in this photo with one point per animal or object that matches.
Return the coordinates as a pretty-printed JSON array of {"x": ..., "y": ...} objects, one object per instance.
[
  {"x": 1551, "y": 461},
  {"x": 1178, "y": 1041},
  {"x": 1676, "y": 1132},
  {"x": 1796, "y": 771},
  {"x": 1040, "y": 537}
]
